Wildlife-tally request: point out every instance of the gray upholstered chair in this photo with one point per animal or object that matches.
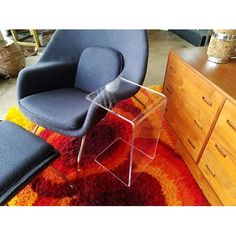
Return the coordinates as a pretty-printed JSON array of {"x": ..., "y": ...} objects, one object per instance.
[{"x": 76, "y": 62}]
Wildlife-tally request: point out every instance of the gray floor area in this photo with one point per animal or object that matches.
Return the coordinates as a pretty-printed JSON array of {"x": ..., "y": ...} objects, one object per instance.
[
  {"x": 160, "y": 42},
  {"x": 8, "y": 90}
]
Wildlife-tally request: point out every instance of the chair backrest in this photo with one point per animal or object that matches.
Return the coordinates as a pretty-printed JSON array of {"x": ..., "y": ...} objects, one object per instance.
[
  {"x": 118, "y": 52},
  {"x": 97, "y": 67}
]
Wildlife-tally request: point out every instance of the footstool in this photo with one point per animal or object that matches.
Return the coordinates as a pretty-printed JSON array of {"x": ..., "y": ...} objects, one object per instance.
[{"x": 22, "y": 156}]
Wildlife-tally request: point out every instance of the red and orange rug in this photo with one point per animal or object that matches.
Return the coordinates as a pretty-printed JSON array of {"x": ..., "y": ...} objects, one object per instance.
[{"x": 165, "y": 182}]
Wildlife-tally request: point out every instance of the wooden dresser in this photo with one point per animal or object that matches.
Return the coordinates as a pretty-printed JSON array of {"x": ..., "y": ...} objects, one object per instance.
[{"x": 201, "y": 109}]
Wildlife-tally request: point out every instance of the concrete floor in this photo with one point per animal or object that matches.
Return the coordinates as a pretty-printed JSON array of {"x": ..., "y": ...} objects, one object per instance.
[
  {"x": 8, "y": 90},
  {"x": 160, "y": 42}
]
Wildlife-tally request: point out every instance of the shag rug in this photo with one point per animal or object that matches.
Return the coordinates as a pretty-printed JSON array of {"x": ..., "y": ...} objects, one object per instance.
[{"x": 166, "y": 181}]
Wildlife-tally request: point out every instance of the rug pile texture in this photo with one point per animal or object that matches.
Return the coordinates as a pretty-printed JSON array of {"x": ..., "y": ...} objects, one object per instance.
[{"x": 166, "y": 181}]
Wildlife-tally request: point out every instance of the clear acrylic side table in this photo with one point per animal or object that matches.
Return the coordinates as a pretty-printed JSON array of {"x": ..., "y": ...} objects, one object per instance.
[{"x": 139, "y": 145}]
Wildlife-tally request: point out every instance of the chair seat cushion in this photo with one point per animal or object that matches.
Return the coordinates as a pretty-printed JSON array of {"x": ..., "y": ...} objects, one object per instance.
[
  {"x": 61, "y": 108},
  {"x": 22, "y": 156},
  {"x": 98, "y": 66}
]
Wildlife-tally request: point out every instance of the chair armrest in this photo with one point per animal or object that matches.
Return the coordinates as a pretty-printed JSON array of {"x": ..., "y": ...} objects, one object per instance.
[
  {"x": 103, "y": 100},
  {"x": 45, "y": 76}
]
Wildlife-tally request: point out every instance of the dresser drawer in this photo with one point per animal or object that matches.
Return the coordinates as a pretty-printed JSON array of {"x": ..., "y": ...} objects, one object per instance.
[
  {"x": 192, "y": 105},
  {"x": 224, "y": 133},
  {"x": 200, "y": 99},
  {"x": 218, "y": 162},
  {"x": 184, "y": 125},
  {"x": 220, "y": 173}
]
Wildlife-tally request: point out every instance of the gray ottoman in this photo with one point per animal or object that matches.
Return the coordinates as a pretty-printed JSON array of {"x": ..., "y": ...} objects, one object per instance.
[{"x": 22, "y": 156}]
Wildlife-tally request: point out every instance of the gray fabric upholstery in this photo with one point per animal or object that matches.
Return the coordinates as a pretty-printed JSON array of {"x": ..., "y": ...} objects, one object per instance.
[
  {"x": 97, "y": 66},
  {"x": 67, "y": 46},
  {"x": 22, "y": 156},
  {"x": 45, "y": 76},
  {"x": 68, "y": 61},
  {"x": 61, "y": 108}
]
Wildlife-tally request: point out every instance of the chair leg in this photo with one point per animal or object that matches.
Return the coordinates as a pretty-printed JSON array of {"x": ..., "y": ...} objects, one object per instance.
[
  {"x": 14, "y": 35},
  {"x": 36, "y": 39},
  {"x": 80, "y": 151}
]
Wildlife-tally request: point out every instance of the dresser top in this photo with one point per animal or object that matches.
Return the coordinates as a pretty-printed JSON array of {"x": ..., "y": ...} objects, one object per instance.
[{"x": 221, "y": 76}]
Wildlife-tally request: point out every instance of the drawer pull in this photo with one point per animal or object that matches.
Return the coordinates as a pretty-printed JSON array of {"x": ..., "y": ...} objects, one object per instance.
[
  {"x": 221, "y": 150},
  {"x": 192, "y": 145},
  {"x": 231, "y": 124},
  {"x": 169, "y": 90},
  {"x": 207, "y": 101},
  {"x": 198, "y": 124},
  {"x": 211, "y": 172}
]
